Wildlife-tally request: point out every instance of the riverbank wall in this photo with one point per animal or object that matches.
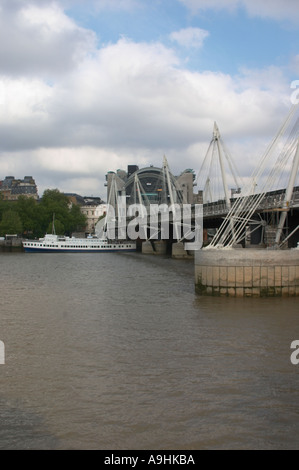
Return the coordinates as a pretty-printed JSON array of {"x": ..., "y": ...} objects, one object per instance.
[{"x": 11, "y": 245}]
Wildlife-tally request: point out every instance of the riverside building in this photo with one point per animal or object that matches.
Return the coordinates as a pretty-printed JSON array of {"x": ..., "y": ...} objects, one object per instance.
[{"x": 11, "y": 188}]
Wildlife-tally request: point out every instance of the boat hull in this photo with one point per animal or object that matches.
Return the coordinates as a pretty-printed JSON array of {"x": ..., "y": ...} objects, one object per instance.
[
  {"x": 57, "y": 244},
  {"x": 77, "y": 250}
]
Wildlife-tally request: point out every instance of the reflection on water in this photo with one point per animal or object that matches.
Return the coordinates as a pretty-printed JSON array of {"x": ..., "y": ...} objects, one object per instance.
[{"x": 116, "y": 351}]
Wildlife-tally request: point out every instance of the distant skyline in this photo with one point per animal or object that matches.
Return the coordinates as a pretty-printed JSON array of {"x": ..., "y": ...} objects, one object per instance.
[{"x": 96, "y": 85}]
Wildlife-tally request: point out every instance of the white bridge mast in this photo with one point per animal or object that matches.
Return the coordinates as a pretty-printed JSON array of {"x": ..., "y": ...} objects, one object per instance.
[{"x": 288, "y": 195}]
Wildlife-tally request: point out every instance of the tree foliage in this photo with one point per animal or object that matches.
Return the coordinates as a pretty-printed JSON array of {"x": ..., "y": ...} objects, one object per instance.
[
  {"x": 32, "y": 219},
  {"x": 11, "y": 223}
]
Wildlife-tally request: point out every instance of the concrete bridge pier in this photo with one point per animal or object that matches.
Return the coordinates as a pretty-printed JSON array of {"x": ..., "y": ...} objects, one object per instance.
[
  {"x": 247, "y": 272},
  {"x": 178, "y": 251},
  {"x": 154, "y": 247}
]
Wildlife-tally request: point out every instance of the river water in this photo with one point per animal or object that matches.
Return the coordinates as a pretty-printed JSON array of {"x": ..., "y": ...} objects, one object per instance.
[{"x": 116, "y": 351}]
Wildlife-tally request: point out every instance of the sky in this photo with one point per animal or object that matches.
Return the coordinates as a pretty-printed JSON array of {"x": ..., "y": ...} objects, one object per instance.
[{"x": 91, "y": 86}]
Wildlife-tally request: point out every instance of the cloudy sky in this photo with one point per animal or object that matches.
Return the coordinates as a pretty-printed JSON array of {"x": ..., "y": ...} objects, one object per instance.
[{"x": 88, "y": 86}]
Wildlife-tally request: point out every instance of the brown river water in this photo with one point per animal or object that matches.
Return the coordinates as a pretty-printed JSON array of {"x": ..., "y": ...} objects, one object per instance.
[{"x": 116, "y": 351}]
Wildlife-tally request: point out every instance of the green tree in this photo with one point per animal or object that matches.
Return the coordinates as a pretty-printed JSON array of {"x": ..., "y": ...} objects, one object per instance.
[
  {"x": 11, "y": 223},
  {"x": 77, "y": 220},
  {"x": 36, "y": 217},
  {"x": 28, "y": 213},
  {"x": 58, "y": 226},
  {"x": 56, "y": 203},
  {"x": 4, "y": 205}
]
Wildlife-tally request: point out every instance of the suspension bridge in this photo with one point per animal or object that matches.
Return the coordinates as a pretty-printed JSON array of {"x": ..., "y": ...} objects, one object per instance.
[
  {"x": 223, "y": 269},
  {"x": 262, "y": 212}
]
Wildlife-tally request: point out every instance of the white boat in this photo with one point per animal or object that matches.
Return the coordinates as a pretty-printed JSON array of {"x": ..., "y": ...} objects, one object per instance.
[{"x": 57, "y": 244}]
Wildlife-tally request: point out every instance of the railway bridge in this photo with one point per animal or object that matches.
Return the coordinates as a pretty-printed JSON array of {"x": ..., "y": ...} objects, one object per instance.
[{"x": 263, "y": 212}]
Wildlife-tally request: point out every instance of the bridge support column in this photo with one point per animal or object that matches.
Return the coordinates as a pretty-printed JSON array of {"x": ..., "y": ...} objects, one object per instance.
[
  {"x": 156, "y": 247},
  {"x": 147, "y": 248},
  {"x": 247, "y": 273},
  {"x": 179, "y": 252}
]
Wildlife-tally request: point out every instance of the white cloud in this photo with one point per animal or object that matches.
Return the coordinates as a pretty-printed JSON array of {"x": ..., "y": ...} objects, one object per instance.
[
  {"x": 71, "y": 116},
  {"x": 39, "y": 38},
  {"x": 295, "y": 65},
  {"x": 275, "y": 9},
  {"x": 49, "y": 19},
  {"x": 22, "y": 99},
  {"x": 200, "y": 5},
  {"x": 116, "y": 4},
  {"x": 134, "y": 96},
  {"x": 190, "y": 37}
]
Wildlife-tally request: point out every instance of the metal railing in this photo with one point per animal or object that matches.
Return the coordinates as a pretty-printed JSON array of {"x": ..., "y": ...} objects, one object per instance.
[{"x": 271, "y": 201}]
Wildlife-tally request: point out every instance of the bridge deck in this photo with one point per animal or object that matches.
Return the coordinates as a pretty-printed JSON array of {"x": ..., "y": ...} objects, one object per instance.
[{"x": 272, "y": 201}]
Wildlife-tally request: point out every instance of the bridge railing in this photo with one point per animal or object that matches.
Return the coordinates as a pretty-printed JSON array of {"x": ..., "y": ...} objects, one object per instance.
[
  {"x": 272, "y": 200},
  {"x": 215, "y": 208}
]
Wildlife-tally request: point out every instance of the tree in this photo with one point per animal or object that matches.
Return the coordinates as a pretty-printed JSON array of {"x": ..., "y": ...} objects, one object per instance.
[
  {"x": 11, "y": 223},
  {"x": 4, "y": 205},
  {"x": 58, "y": 226},
  {"x": 77, "y": 220},
  {"x": 56, "y": 203},
  {"x": 33, "y": 219},
  {"x": 28, "y": 213}
]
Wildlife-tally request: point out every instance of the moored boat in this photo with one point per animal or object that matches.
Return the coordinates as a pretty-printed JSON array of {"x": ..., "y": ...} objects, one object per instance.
[{"x": 57, "y": 244}]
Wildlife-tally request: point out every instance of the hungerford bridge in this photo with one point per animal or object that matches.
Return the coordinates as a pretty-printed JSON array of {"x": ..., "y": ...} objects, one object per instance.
[{"x": 264, "y": 212}]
